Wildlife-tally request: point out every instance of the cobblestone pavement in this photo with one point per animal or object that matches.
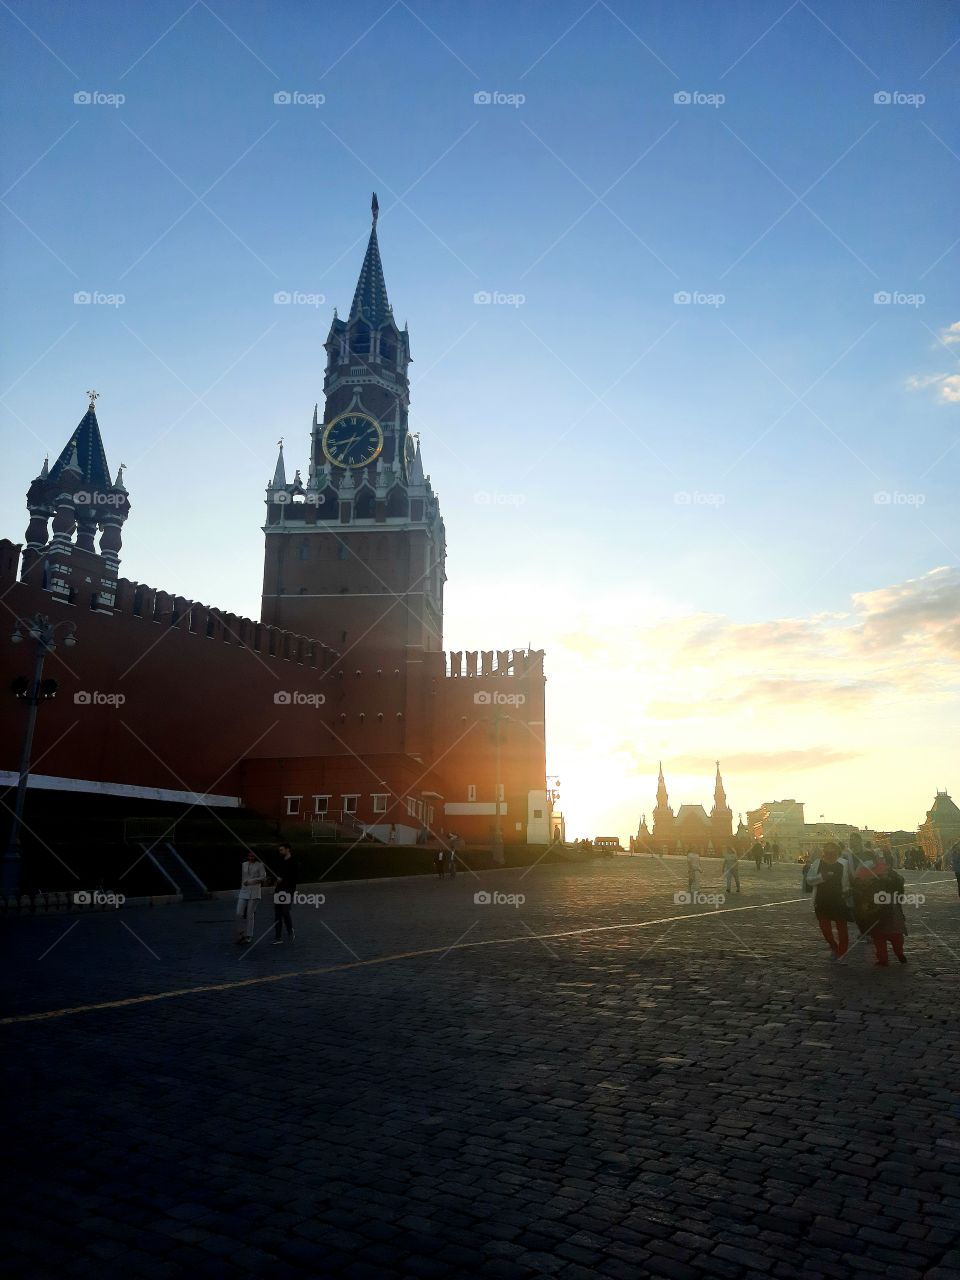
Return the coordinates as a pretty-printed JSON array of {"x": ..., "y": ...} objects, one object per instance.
[{"x": 597, "y": 1082}]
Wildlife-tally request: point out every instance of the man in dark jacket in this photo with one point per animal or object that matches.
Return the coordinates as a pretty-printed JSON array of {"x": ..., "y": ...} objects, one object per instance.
[{"x": 283, "y": 892}]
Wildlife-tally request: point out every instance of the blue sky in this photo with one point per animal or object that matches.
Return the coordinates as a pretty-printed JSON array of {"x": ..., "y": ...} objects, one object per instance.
[{"x": 584, "y": 410}]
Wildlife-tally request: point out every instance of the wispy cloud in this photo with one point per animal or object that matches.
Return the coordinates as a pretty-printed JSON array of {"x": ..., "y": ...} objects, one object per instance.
[{"x": 947, "y": 384}]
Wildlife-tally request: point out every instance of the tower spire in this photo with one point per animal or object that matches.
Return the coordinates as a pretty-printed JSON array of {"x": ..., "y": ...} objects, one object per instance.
[
  {"x": 370, "y": 301},
  {"x": 280, "y": 473},
  {"x": 84, "y": 450},
  {"x": 662, "y": 796}
]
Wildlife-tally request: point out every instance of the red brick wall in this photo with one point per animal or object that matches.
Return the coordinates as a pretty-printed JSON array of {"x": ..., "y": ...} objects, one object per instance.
[{"x": 174, "y": 707}]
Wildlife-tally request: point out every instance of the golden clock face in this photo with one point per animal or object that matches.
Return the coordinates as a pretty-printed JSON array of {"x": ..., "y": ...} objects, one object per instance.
[{"x": 353, "y": 439}]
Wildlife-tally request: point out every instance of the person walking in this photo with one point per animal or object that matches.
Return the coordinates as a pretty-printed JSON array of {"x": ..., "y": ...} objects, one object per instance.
[
  {"x": 439, "y": 859},
  {"x": 877, "y": 904},
  {"x": 890, "y": 926},
  {"x": 953, "y": 862},
  {"x": 826, "y": 877},
  {"x": 252, "y": 875},
  {"x": 452, "y": 855},
  {"x": 694, "y": 869},
  {"x": 731, "y": 870},
  {"x": 283, "y": 892},
  {"x": 757, "y": 853},
  {"x": 863, "y": 870}
]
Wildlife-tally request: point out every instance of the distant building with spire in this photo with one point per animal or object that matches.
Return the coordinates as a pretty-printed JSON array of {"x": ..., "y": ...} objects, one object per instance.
[{"x": 691, "y": 827}]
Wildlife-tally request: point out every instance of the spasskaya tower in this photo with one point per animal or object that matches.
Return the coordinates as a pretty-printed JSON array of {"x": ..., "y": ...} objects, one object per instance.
[{"x": 355, "y": 556}]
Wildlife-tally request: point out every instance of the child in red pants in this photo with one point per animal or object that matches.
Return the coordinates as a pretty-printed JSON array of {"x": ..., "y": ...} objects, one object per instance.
[
  {"x": 878, "y": 893},
  {"x": 838, "y": 947},
  {"x": 880, "y": 941}
]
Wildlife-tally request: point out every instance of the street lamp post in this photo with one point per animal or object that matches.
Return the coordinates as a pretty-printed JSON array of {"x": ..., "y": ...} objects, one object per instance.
[
  {"x": 553, "y": 795},
  {"x": 40, "y": 629}
]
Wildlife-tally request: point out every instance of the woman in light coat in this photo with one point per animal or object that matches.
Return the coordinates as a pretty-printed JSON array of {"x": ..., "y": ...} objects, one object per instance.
[
  {"x": 252, "y": 875},
  {"x": 694, "y": 868}
]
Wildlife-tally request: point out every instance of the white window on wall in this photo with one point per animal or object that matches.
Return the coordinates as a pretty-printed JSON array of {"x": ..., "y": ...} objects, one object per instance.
[
  {"x": 350, "y": 804},
  {"x": 379, "y": 804},
  {"x": 430, "y": 816},
  {"x": 320, "y": 805},
  {"x": 420, "y": 810},
  {"x": 411, "y": 806},
  {"x": 293, "y": 805},
  {"x": 500, "y": 795},
  {"x": 471, "y": 791}
]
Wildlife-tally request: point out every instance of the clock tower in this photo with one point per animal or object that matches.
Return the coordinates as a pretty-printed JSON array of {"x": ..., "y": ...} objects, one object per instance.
[{"x": 355, "y": 556}]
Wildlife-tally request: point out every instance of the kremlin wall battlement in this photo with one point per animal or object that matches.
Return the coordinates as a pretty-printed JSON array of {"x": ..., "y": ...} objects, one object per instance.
[
  {"x": 490, "y": 662},
  {"x": 190, "y": 617}
]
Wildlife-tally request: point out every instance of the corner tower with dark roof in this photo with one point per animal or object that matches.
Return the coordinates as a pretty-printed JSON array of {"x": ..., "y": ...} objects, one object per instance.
[
  {"x": 355, "y": 556},
  {"x": 69, "y": 504}
]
